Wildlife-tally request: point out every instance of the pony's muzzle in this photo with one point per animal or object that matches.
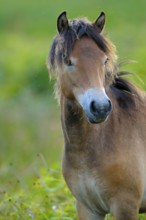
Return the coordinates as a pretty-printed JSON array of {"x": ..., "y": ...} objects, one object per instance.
[
  {"x": 100, "y": 111},
  {"x": 96, "y": 105}
]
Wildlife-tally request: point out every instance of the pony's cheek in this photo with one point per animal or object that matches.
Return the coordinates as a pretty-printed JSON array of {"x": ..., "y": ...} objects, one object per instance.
[{"x": 66, "y": 87}]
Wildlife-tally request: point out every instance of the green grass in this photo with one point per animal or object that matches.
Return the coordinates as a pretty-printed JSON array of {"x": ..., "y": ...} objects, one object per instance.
[
  {"x": 45, "y": 198},
  {"x": 31, "y": 139}
]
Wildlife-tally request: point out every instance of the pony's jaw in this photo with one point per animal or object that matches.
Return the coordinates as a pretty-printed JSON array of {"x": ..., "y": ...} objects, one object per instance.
[{"x": 95, "y": 104}]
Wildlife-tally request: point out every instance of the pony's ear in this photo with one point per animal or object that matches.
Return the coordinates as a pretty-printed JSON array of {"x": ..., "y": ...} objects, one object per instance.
[
  {"x": 62, "y": 22},
  {"x": 99, "y": 23}
]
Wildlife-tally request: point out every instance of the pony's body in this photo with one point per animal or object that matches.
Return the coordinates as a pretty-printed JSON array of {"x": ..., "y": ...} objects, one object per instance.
[
  {"x": 103, "y": 169},
  {"x": 104, "y": 164}
]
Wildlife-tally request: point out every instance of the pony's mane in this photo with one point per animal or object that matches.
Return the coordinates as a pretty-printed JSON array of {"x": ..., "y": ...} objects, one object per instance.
[
  {"x": 61, "y": 48},
  {"x": 125, "y": 92}
]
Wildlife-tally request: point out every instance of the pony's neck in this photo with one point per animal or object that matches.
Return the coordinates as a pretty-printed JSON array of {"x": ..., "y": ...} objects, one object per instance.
[{"x": 74, "y": 124}]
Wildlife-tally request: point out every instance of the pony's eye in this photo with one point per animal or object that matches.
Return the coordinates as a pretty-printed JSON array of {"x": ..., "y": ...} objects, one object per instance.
[
  {"x": 107, "y": 59},
  {"x": 69, "y": 63}
]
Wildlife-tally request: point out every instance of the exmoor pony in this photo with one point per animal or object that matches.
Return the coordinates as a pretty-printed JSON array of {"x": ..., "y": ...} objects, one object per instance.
[{"x": 103, "y": 118}]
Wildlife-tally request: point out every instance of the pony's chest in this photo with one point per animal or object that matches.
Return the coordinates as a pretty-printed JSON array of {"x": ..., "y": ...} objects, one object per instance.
[{"x": 89, "y": 191}]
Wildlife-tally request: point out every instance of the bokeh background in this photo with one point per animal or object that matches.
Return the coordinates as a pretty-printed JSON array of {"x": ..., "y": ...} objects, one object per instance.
[{"x": 30, "y": 130}]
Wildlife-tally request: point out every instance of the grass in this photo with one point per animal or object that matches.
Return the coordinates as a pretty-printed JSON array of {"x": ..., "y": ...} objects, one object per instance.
[
  {"x": 31, "y": 139},
  {"x": 41, "y": 200}
]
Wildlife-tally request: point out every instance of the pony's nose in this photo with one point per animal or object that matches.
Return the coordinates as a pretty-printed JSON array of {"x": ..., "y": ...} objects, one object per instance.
[
  {"x": 96, "y": 105},
  {"x": 100, "y": 109}
]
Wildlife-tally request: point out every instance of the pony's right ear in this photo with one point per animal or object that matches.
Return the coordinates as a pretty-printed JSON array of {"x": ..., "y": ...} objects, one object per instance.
[{"x": 62, "y": 22}]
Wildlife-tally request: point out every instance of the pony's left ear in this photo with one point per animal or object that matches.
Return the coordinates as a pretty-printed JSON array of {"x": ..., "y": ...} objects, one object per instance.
[
  {"x": 62, "y": 22},
  {"x": 99, "y": 23}
]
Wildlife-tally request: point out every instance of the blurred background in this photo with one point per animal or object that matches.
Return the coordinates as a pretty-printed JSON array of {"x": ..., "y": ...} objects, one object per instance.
[{"x": 30, "y": 129}]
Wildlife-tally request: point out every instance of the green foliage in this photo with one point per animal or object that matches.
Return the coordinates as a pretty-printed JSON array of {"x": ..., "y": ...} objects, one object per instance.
[
  {"x": 22, "y": 66},
  {"x": 31, "y": 140},
  {"x": 46, "y": 198}
]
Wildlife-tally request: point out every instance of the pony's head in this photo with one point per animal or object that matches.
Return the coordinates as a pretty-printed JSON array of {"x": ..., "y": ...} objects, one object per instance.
[{"x": 84, "y": 61}]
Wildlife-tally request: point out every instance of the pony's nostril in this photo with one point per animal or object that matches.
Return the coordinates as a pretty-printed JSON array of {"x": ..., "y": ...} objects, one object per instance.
[
  {"x": 94, "y": 107},
  {"x": 109, "y": 106}
]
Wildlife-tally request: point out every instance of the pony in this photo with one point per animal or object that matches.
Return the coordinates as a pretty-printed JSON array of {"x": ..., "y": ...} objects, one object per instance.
[{"x": 103, "y": 117}]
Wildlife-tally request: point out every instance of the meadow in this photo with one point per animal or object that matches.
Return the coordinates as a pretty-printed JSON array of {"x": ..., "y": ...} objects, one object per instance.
[{"x": 31, "y": 140}]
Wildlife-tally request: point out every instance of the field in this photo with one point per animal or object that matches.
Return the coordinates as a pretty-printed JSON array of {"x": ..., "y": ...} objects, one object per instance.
[{"x": 31, "y": 140}]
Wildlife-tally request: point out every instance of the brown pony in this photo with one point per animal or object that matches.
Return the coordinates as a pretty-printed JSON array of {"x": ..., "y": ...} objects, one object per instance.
[{"x": 103, "y": 120}]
